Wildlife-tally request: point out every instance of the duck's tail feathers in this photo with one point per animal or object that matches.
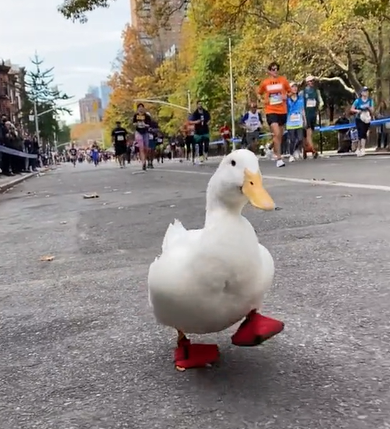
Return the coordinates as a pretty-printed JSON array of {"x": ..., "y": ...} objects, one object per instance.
[{"x": 175, "y": 231}]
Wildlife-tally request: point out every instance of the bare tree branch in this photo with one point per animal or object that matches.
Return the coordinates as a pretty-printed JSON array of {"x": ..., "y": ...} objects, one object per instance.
[{"x": 370, "y": 43}]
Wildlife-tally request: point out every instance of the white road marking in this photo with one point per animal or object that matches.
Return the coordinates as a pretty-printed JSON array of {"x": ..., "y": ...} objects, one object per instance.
[{"x": 298, "y": 180}]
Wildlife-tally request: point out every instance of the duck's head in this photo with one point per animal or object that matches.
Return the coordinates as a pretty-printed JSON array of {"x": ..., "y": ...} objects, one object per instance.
[{"x": 237, "y": 181}]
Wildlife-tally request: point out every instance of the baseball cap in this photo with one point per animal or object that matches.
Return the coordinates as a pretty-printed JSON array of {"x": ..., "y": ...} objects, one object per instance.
[{"x": 310, "y": 78}]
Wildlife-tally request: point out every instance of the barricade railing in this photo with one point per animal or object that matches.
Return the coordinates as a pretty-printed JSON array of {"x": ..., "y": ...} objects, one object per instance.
[
  {"x": 15, "y": 152},
  {"x": 324, "y": 129}
]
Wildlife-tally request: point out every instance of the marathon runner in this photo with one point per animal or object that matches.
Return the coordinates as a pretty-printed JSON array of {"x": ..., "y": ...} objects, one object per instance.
[
  {"x": 201, "y": 118},
  {"x": 119, "y": 136},
  {"x": 275, "y": 89},
  {"x": 153, "y": 131},
  {"x": 73, "y": 155},
  {"x": 142, "y": 121},
  {"x": 252, "y": 123},
  {"x": 313, "y": 103},
  {"x": 189, "y": 131},
  {"x": 296, "y": 121}
]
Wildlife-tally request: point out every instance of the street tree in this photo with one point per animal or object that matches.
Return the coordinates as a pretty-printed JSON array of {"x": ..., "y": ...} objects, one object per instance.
[{"x": 42, "y": 95}]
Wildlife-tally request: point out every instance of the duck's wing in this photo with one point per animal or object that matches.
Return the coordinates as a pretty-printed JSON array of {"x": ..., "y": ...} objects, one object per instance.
[{"x": 176, "y": 234}]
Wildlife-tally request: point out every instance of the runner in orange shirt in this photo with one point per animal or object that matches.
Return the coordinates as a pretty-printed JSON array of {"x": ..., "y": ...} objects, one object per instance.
[{"x": 275, "y": 90}]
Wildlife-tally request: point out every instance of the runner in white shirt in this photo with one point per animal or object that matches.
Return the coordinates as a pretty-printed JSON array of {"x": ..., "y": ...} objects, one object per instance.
[{"x": 252, "y": 123}]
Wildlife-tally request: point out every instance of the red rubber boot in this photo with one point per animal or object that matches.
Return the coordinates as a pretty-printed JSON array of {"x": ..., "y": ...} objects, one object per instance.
[
  {"x": 189, "y": 355},
  {"x": 256, "y": 329}
]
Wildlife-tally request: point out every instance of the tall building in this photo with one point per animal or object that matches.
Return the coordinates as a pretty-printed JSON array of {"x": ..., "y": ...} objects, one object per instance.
[
  {"x": 90, "y": 109},
  {"x": 105, "y": 91},
  {"x": 166, "y": 41},
  {"x": 94, "y": 90}
]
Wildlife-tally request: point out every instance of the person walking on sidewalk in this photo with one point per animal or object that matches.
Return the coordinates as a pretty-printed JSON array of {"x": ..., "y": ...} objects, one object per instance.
[{"x": 201, "y": 118}]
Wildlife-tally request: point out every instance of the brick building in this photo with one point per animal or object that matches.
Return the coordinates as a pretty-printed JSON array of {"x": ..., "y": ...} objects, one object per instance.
[{"x": 12, "y": 87}]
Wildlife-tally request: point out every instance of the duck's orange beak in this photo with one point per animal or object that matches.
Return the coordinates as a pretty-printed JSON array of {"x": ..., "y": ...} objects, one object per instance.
[{"x": 253, "y": 189}]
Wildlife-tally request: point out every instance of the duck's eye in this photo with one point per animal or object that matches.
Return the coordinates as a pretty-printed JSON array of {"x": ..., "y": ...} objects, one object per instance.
[
  {"x": 251, "y": 183},
  {"x": 233, "y": 163}
]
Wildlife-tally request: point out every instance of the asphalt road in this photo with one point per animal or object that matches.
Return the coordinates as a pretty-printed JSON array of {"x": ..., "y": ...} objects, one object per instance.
[{"x": 79, "y": 346}]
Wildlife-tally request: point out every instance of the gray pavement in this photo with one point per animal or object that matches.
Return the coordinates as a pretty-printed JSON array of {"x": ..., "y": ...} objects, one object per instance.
[{"x": 79, "y": 346}]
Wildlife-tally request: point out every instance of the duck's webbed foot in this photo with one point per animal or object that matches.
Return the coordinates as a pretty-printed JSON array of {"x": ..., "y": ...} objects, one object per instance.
[
  {"x": 256, "y": 329},
  {"x": 189, "y": 355}
]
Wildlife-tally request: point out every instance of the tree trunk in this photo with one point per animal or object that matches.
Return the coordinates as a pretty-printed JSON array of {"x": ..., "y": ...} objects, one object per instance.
[{"x": 379, "y": 78}]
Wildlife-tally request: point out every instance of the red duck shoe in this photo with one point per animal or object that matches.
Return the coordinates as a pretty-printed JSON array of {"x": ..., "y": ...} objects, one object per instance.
[
  {"x": 256, "y": 329},
  {"x": 189, "y": 355}
]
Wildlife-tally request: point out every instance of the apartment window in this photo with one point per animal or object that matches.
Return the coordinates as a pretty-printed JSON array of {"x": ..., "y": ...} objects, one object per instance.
[{"x": 146, "y": 5}]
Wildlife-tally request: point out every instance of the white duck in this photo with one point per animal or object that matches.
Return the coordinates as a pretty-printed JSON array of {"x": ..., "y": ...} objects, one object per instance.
[{"x": 207, "y": 280}]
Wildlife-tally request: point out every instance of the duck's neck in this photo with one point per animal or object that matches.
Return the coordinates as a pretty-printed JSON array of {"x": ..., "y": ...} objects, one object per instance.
[{"x": 217, "y": 211}]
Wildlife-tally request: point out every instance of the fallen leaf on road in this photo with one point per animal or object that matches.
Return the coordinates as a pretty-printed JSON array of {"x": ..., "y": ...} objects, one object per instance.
[
  {"x": 318, "y": 197},
  {"x": 172, "y": 205},
  {"x": 278, "y": 208},
  {"x": 346, "y": 196},
  {"x": 64, "y": 222},
  {"x": 89, "y": 196},
  {"x": 47, "y": 258},
  {"x": 128, "y": 192},
  {"x": 120, "y": 208}
]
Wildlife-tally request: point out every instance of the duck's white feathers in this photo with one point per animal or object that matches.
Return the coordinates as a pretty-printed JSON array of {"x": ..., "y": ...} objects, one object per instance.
[{"x": 201, "y": 285}]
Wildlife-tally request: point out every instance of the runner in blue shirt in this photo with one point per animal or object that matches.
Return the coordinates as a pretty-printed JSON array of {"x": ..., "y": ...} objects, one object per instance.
[
  {"x": 295, "y": 122},
  {"x": 363, "y": 108}
]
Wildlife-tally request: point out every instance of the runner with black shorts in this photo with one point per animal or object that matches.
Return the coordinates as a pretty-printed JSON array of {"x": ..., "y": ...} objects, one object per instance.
[
  {"x": 73, "y": 155},
  {"x": 275, "y": 89},
  {"x": 119, "y": 136}
]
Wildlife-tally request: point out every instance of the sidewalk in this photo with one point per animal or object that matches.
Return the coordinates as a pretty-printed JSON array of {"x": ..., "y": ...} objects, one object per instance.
[{"x": 9, "y": 182}]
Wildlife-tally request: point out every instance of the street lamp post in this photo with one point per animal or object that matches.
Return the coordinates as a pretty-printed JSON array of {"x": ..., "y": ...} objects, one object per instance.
[
  {"x": 37, "y": 115},
  {"x": 36, "y": 123},
  {"x": 232, "y": 94}
]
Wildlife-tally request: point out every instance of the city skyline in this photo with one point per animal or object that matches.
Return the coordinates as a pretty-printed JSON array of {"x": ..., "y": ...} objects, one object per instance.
[{"x": 94, "y": 103}]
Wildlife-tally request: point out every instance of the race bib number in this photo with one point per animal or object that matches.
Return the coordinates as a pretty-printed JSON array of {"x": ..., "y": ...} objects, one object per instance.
[
  {"x": 295, "y": 117},
  {"x": 311, "y": 102},
  {"x": 120, "y": 138},
  {"x": 253, "y": 125},
  {"x": 141, "y": 124},
  {"x": 275, "y": 99},
  {"x": 150, "y": 136}
]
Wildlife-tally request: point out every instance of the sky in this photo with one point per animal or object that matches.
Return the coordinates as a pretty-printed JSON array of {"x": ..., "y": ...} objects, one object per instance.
[{"x": 81, "y": 54}]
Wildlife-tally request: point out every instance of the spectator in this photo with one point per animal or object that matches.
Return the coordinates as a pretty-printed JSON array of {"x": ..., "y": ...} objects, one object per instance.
[
  {"x": 383, "y": 129},
  {"x": 226, "y": 135},
  {"x": 343, "y": 136},
  {"x": 4, "y": 141}
]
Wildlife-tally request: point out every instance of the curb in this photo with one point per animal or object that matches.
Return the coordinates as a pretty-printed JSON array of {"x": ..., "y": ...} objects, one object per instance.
[
  {"x": 15, "y": 181},
  {"x": 349, "y": 154}
]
